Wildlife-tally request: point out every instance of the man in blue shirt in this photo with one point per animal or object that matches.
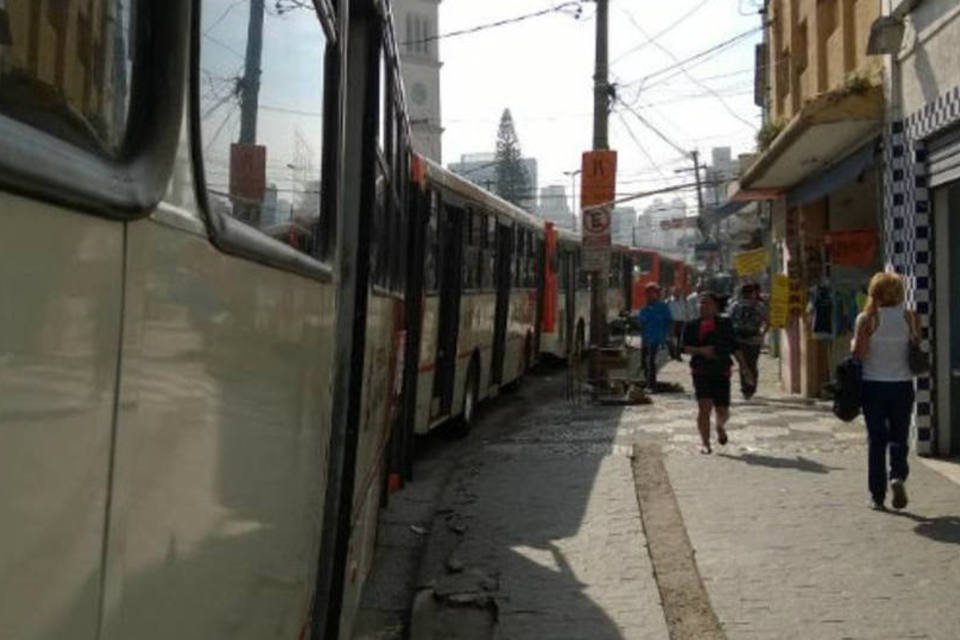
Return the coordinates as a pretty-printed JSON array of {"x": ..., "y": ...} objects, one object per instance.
[{"x": 655, "y": 323}]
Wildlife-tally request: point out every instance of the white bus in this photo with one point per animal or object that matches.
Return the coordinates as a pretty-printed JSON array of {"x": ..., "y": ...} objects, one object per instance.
[
  {"x": 229, "y": 296},
  {"x": 483, "y": 278}
]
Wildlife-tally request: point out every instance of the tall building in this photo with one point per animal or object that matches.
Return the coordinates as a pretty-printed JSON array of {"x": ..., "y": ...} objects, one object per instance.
[
  {"x": 554, "y": 206},
  {"x": 622, "y": 222},
  {"x": 416, "y": 22},
  {"x": 651, "y": 231},
  {"x": 481, "y": 170},
  {"x": 723, "y": 170}
]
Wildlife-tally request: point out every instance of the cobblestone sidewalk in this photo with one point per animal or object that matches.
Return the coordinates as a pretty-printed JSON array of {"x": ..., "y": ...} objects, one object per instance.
[{"x": 539, "y": 534}]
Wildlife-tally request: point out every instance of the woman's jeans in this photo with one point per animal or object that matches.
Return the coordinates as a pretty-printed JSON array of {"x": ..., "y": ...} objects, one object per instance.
[{"x": 887, "y": 408}]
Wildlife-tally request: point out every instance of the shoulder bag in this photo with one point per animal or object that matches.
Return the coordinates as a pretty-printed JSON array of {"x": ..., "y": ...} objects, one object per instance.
[{"x": 917, "y": 358}]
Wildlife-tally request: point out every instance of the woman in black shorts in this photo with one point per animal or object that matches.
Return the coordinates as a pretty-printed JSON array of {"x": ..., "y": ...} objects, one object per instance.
[{"x": 710, "y": 342}]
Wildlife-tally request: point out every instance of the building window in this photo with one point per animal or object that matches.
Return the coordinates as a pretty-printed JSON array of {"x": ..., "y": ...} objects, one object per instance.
[
  {"x": 79, "y": 93},
  {"x": 827, "y": 17},
  {"x": 801, "y": 48}
]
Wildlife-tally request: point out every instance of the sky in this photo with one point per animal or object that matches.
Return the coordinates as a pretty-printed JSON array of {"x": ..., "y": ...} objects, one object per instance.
[{"x": 542, "y": 70}]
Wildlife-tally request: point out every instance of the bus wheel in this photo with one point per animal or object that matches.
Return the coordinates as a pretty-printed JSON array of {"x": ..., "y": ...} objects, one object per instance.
[{"x": 471, "y": 401}]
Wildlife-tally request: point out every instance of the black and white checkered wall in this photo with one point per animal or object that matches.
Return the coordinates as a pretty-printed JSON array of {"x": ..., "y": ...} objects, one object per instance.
[{"x": 908, "y": 243}]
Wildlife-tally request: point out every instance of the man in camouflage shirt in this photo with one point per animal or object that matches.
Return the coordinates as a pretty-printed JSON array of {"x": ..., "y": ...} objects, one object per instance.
[{"x": 749, "y": 317}]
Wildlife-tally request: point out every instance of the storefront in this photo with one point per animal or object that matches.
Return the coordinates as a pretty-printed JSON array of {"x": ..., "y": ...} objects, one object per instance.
[
  {"x": 831, "y": 249},
  {"x": 922, "y": 205},
  {"x": 825, "y": 227}
]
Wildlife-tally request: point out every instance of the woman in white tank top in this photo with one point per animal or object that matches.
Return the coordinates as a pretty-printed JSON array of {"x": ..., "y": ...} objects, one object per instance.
[{"x": 882, "y": 341}]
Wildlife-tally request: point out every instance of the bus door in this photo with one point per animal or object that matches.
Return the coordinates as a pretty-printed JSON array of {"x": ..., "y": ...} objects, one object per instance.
[
  {"x": 502, "y": 280},
  {"x": 626, "y": 281},
  {"x": 541, "y": 282},
  {"x": 448, "y": 325},
  {"x": 568, "y": 281}
]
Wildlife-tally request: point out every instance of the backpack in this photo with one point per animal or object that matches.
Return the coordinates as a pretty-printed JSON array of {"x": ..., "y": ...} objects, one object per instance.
[
  {"x": 847, "y": 399},
  {"x": 747, "y": 318}
]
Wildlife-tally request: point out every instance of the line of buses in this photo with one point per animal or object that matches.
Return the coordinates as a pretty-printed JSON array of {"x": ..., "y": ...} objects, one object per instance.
[{"x": 230, "y": 295}]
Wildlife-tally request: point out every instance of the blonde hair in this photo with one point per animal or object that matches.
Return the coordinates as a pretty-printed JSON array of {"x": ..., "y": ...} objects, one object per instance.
[{"x": 886, "y": 290}]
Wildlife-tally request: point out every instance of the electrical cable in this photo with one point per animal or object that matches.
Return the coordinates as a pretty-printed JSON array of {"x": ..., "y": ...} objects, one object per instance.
[
  {"x": 697, "y": 57},
  {"x": 660, "y": 33},
  {"x": 643, "y": 149},
  {"x": 687, "y": 73},
  {"x": 652, "y": 128},
  {"x": 574, "y": 5}
]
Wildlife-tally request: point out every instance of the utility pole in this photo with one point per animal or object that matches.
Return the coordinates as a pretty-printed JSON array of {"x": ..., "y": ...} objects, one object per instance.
[
  {"x": 601, "y": 87},
  {"x": 245, "y": 208},
  {"x": 696, "y": 173},
  {"x": 250, "y": 84},
  {"x": 601, "y": 98}
]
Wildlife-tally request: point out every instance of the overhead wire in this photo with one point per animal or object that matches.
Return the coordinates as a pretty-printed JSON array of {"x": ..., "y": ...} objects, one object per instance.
[
  {"x": 686, "y": 72},
  {"x": 575, "y": 6},
  {"x": 698, "y": 57},
  {"x": 640, "y": 146},
  {"x": 652, "y": 128},
  {"x": 662, "y": 32}
]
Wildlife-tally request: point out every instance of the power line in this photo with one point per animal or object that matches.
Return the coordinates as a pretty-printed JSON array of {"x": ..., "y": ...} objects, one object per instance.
[
  {"x": 223, "y": 15},
  {"x": 652, "y": 128},
  {"x": 643, "y": 149},
  {"x": 662, "y": 32},
  {"x": 717, "y": 48},
  {"x": 574, "y": 6},
  {"x": 685, "y": 72},
  {"x": 224, "y": 46}
]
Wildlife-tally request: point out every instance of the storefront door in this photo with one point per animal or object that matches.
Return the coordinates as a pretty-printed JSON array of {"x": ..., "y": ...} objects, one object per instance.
[{"x": 946, "y": 342}]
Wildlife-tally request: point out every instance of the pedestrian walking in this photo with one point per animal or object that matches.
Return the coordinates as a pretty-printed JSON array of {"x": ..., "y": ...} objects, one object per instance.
[
  {"x": 693, "y": 301},
  {"x": 749, "y": 317},
  {"x": 710, "y": 341},
  {"x": 655, "y": 323},
  {"x": 881, "y": 341},
  {"x": 678, "y": 311}
]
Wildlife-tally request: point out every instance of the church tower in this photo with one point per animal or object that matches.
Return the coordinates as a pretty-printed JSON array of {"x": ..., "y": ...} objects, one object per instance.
[{"x": 415, "y": 21}]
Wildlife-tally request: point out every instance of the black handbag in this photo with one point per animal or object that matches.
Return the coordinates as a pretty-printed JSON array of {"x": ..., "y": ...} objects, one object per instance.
[
  {"x": 848, "y": 387},
  {"x": 917, "y": 358}
]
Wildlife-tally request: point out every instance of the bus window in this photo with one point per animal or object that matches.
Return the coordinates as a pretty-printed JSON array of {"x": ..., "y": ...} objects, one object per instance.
[
  {"x": 431, "y": 277},
  {"x": 518, "y": 253},
  {"x": 263, "y": 139},
  {"x": 66, "y": 69}
]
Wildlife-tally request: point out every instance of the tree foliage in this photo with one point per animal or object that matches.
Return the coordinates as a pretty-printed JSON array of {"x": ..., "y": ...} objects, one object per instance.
[{"x": 512, "y": 180}]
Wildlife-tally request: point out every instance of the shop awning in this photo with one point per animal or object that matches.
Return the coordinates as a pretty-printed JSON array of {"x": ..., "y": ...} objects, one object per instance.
[
  {"x": 824, "y": 130},
  {"x": 838, "y": 175},
  {"x": 728, "y": 208}
]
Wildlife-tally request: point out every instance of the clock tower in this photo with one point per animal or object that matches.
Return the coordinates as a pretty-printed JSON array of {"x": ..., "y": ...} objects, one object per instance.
[{"x": 416, "y": 23}]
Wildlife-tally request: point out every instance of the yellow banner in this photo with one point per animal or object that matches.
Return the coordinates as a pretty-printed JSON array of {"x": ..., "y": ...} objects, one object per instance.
[
  {"x": 779, "y": 301},
  {"x": 751, "y": 263}
]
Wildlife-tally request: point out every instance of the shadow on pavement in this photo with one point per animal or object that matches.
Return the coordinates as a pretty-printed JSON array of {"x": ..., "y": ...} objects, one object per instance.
[
  {"x": 798, "y": 464},
  {"x": 941, "y": 529},
  {"x": 518, "y": 528}
]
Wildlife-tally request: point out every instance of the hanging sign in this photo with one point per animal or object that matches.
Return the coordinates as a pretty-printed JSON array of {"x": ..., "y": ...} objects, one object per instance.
[
  {"x": 779, "y": 301},
  {"x": 597, "y": 192},
  {"x": 248, "y": 172},
  {"x": 854, "y": 248},
  {"x": 751, "y": 263}
]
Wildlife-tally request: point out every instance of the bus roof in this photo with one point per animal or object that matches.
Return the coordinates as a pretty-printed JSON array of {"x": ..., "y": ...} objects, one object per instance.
[{"x": 436, "y": 174}]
